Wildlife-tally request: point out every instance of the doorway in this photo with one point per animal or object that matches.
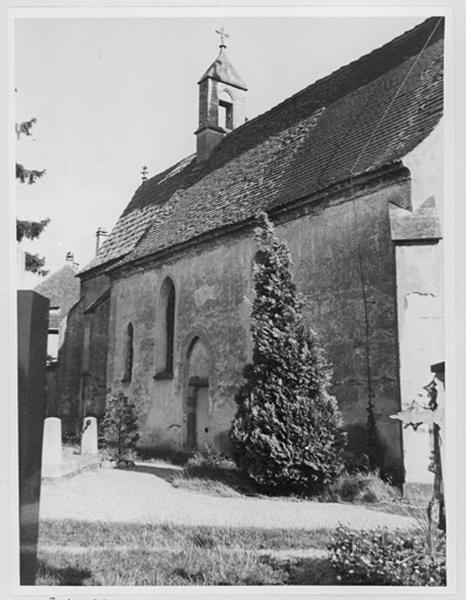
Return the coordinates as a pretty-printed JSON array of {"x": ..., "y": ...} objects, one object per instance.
[{"x": 198, "y": 413}]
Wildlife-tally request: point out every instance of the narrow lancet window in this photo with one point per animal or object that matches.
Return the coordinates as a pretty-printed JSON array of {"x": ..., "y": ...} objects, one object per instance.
[
  {"x": 166, "y": 331},
  {"x": 170, "y": 325},
  {"x": 129, "y": 352}
]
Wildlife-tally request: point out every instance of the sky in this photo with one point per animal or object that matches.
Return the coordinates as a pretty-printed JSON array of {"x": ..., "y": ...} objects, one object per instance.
[{"x": 113, "y": 94}]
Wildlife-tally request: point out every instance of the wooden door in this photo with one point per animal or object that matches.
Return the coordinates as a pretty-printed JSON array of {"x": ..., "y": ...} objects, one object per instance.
[
  {"x": 191, "y": 417},
  {"x": 202, "y": 417}
]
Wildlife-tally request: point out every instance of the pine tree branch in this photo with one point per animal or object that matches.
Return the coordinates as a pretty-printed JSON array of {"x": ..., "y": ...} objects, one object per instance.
[
  {"x": 24, "y": 128},
  {"x": 30, "y": 229},
  {"x": 35, "y": 264},
  {"x": 29, "y": 175}
]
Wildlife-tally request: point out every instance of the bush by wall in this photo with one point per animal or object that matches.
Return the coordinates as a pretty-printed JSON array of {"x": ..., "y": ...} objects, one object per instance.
[
  {"x": 164, "y": 452},
  {"x": 119, "y": 433},
  {"x": 361, "y": 486},
  {"x": 380, "y": 557},
  {"x": 286, "y": 434},
  {"x": 212, "y": 467}
]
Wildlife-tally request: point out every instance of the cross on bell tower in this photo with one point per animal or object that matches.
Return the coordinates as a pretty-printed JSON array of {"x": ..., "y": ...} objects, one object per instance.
[
  {"x": 223, "y": 34},
  {"x": 221, "y": 101}
]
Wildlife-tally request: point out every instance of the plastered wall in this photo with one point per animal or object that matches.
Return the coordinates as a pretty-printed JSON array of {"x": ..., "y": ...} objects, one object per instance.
[{"x": 344, "y": 264}]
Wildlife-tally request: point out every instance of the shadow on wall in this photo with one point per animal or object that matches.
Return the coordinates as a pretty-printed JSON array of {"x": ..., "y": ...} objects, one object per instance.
[
  {"x": 357, "y": 454},
  {"x": 82, "y": 364},
  {"x": 69, "y": 367},
  {"x": 165, "y": 452},
  {"x": 222, "y": 442},
  {"x": 356, "y": 436}
]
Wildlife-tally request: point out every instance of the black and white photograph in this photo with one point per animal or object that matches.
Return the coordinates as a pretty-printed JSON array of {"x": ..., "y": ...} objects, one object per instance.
[{"x": 233, "y": 281}]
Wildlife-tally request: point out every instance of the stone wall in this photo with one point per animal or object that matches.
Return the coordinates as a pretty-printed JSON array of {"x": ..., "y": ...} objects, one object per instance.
[
  {"x": 209, "y": 288},
  {"x": 344, "y": 265},
  {"x": 421, "y": 323},
  {"x": 419, "y": 247}
]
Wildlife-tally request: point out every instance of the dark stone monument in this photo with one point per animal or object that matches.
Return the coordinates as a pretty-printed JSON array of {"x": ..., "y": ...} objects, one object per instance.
[{"x": 33, "y": 311}]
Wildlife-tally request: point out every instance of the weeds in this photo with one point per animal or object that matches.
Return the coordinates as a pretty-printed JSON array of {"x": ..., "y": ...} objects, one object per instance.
[
  {"x": 212, "y": 473},
  {"x": 366, "y": 487},
  {"x": 382, "y": 557}
]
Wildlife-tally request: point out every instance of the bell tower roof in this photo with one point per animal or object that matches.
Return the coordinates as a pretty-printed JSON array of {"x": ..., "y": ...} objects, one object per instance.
[{"x": 222, "y": 69}]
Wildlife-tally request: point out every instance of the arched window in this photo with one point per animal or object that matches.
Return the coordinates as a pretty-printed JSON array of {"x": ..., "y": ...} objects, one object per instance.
[
  {"x": 170, "y": 325},
  {"x": 128, "y": 369},
  {"x": 166, "y": 330}
]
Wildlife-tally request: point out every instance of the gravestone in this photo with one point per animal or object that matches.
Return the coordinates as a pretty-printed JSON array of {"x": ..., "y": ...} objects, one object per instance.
[
  {"x": 52, "y": 444},
  {"x": 33, "y": 311},
  {"x": 89, "y": 436}
]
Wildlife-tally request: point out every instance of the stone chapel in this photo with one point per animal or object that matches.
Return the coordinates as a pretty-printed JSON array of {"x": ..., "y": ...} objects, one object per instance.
[{"x": 350, "y": 170}]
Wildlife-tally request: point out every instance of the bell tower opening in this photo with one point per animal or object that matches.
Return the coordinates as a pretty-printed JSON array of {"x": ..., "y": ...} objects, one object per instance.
[{"x": 225, "y": 112}]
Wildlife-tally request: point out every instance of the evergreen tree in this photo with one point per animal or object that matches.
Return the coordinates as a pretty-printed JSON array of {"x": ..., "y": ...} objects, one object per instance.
[
  {"x": 30, "y": 229},
  {"x": 286, "y": 433}
]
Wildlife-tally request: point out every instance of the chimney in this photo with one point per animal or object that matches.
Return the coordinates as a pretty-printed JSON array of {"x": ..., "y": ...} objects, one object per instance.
[{"x": 98, "y": 234}]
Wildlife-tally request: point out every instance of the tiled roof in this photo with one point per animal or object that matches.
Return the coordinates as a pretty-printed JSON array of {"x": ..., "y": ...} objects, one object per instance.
[
  {"x": 133, "y": 222},
  {"x": 62, "y": 289},
  {"x": 369, "y": 113}
]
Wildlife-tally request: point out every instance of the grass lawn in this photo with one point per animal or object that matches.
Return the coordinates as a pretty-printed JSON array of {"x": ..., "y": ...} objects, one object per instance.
[
  {"x": 108, "y": 554},
  {"x": 81, "y": 553}
]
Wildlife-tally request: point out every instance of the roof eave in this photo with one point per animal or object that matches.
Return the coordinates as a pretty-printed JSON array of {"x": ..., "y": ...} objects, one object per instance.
[
  {"x": 236, "y": 84},
  {"x": 394, "y": 169},
  {"x": 97, "y": 269}
]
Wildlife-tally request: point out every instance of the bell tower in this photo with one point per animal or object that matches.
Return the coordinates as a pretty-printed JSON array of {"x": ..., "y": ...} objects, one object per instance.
[{"x": 222, "y": 95}]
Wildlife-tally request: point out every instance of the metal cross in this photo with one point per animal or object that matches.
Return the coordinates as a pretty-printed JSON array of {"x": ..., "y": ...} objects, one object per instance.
[{"x": 223, "y": 34}]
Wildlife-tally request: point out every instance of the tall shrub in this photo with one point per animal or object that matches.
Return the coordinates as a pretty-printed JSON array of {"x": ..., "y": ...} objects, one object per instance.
[
  {"x": 120, "y": 428},
  {"x": 286, "y": 433}
]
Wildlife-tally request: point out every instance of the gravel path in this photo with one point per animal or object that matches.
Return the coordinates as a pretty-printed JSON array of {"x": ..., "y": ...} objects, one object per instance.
[{"x": 143, "y": 497}]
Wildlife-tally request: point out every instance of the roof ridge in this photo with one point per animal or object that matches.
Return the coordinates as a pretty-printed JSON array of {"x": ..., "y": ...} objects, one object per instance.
[
  {"x": 427, "y": 27},
  {"x": 373, "y": 54},
  {"x": 163, "y": 174},
  {"x": 158, "y": 179},
  {"x": 53, "y": 275}
]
